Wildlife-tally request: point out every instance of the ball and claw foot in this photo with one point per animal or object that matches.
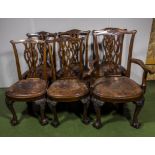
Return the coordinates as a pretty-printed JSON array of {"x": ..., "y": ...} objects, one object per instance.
[
  {"x": 136, "y": 125},
  {"x": 44, "y": 122},
  {"x": 97, "y": 125},
  {"x": 14, "y": 122},
  {"x": 55, "y": 123},
  {"x": 86, "y": 121}
]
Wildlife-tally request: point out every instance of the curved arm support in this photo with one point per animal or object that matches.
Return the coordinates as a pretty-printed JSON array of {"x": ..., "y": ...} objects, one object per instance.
[{"x": 146, "y": 71}]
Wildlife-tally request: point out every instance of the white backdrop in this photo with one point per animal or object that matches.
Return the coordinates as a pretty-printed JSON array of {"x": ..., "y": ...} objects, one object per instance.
[{"x": 17, "y": 28}]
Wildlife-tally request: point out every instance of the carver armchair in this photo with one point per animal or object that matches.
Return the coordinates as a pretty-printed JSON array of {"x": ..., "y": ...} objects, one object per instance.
[{"x": 115, "y": 85}]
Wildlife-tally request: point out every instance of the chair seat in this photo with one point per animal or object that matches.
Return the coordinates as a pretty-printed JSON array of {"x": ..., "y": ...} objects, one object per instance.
[
  {"x": 117, "y": 89},
  {"x": 68, "y": 89},
  {"x": 27, "y": 89}
]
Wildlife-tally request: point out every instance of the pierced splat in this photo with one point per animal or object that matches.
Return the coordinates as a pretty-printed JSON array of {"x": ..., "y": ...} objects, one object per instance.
[
  {"x": 69, "y": 53},
  {"x": 31, "y": 54},
  {"x": 31, "y": 58},
  {"x": 75, "y": 33},
  {"x": 41, "y": 50},
  {"x": 112, "y": 45},
  {"x": 43, "y": 35},
  {"x": 108, "y": 49}
]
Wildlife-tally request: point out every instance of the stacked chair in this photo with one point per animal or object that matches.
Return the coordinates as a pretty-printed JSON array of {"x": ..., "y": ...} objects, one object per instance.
[{"x": 59, "y": 70}]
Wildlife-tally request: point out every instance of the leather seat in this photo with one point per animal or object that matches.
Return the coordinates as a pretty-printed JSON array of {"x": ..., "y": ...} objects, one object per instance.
[
  {"x": 116, "y": 89},
  {"x": 67, "y": 89},
  {"x": 25, "y": 89}
]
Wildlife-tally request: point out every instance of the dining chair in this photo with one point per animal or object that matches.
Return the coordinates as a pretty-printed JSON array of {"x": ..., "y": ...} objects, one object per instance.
[
  {"x": 115, "y": 87},
  {"x": 69, "y": 87},
  {"x": 33, "y": 88}
]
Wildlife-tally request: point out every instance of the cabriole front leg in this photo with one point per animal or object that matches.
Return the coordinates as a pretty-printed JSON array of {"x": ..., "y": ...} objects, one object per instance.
[
  {"x": 9, "y": 104},
  {"x": 139, "y": 104},
  {"x": 86, "y": 102},
  {"x": 97, "y": 105},
  {"x": 52, "y": 105}
]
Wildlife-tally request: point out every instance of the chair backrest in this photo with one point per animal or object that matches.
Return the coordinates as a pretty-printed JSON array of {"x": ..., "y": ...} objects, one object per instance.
[
  {"x": 43, "y": 35},
  {"x": 30, "y": 51},
  {"x": 110, "y": 42},
  {"x": 69, "y": 51},
  {"x": 75, "y": 33}
]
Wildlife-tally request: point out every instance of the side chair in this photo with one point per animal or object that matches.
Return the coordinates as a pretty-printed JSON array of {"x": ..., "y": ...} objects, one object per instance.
[
  {"x": 32, "y": 89},
  {"x": 69, "y": 87}
]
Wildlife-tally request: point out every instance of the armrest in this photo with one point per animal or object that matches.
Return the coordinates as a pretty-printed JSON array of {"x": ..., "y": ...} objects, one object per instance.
[
  {"x": 141, "y": 63},
  {"x": 146, "y": 71}
]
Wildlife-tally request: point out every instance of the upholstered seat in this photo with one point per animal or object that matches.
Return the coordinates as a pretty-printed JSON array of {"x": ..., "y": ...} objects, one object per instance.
[
  {"x": 71, "y": 89},
  {"x": 117, "y": 89},
  {"x": 25, "y": 89}
]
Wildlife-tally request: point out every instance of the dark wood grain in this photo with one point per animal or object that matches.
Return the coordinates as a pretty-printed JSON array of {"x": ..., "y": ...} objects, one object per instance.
[
  {"x": 27, "y": 89},
  {"x": 67, "y": 90},
  {"x": 117, "y": 89}
]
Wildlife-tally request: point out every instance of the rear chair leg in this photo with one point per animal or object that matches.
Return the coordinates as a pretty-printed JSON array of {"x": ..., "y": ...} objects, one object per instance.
[
  {"x": 52, "y": 105},
  {"x": 9, "y": 104},
  {"x": 86, "y": 102},
  {"x": 43, "y": 119},
  {"x": 97, "y": 105},
  {"x": 139, "y": 104}
]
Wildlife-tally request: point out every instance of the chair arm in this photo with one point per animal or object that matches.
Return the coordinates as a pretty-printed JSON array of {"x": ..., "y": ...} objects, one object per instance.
[
  {"x": 142, "y": 65},
  {"x": 146, "y": 71}
]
